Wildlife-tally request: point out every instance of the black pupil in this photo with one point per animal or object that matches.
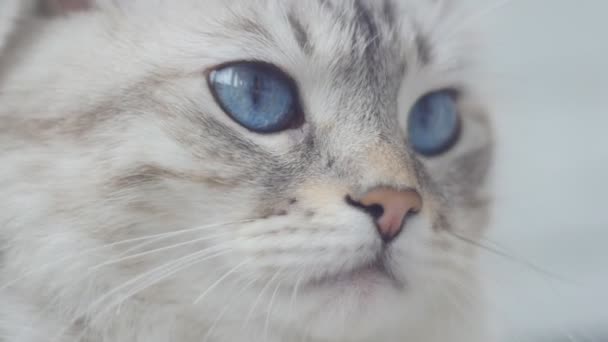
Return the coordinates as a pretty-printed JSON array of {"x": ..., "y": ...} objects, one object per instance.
[
  {"x": 257, "y": 89},
  {"x": 425, "y": 119}
]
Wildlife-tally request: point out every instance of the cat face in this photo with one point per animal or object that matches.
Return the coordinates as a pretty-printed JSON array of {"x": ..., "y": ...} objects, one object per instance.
[{"x": 260, "y": 144}]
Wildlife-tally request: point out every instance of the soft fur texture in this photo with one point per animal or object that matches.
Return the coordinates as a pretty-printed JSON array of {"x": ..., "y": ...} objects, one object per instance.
[{"x": 133, "y": 209}]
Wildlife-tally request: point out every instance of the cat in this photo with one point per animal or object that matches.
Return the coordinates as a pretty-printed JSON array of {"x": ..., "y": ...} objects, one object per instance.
[{"x": 232, "y": 170}]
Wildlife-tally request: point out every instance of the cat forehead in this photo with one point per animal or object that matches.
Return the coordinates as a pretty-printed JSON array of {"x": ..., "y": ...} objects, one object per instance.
[
  {"x": 341, "y": 31},
  {"x": 352, "y": 28}
]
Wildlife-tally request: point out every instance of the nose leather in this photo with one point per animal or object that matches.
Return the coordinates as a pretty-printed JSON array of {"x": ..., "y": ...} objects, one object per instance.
[{"x": 396, "y": 206}]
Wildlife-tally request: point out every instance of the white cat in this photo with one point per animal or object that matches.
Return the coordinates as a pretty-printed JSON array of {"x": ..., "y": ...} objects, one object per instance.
[{"x": 240, "y": 170}]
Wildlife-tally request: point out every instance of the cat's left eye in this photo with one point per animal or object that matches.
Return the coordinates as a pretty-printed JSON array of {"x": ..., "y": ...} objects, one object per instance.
[
  {"x": 434, "y": 123},
  {"x": 258, "y": 96}
]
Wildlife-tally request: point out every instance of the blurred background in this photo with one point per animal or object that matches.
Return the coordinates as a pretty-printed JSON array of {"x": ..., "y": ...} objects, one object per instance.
[{"x": 550, "y": 59}]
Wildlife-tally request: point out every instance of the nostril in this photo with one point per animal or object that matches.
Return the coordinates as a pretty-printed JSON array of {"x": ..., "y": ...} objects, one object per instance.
[{"x": 374, "y": 210}]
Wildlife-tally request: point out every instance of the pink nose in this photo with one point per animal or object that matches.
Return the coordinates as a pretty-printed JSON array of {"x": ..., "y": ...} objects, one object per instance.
[{"x": 390, "y": 208}]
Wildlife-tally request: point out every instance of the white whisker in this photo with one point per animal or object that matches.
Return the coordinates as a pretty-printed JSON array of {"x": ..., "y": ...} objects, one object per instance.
[
  {"x": 269, "y": 309},
  {"x": 496, "y": 251},
  {"x": 158, "y": 237},
  {"x": 220, "y": 279},
  {"x": 259, "y": 297},
  {"x": 165, "y": 270},
  {"x": 78, "y": 255},
  {"x": 294, "y": 294},
  {"x": 486, "y": 11},
  {"x": 459, "y": 22},
  {"x": 226, "y": 308},
  {"x": 157, "y": 250}
]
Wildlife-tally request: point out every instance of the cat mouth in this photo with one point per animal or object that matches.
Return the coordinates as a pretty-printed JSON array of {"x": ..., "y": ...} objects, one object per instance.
[{"x": 377, "y": 272}]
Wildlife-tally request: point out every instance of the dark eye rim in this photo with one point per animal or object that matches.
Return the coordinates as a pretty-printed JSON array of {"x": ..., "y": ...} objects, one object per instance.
[
  {"x": 456, "y": 136},
  {"x": 297, "y": 118}
]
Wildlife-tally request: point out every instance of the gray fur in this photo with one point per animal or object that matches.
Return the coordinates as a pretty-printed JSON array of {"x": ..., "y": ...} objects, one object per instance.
[{"x": 300, "y": 34}]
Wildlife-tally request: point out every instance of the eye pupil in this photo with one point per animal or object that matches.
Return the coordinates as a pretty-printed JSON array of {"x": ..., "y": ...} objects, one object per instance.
[
  {"x": 434, "y": 123},
  {"x": 257, "y": 96},
  {"x": 255, "y": 92}
]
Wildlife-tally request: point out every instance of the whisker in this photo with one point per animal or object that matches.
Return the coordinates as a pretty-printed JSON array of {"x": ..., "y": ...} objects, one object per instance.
[
  {"x": 259, "y": 297},
  {"x": 499, "y": 4},
  {"x": 219, "y": 281},
  {"x": 91, "y": 271},
  {"x": 162, "y": 236},
  {"x": 130, "y": 250},
  {"x": 165, "y": 270},
  {"x": 294, "y": 294},
  {"x": 269, "y": 309},
  {"x": 157, "y": 250},
  {"x": 508, "y": 257},
  {"x": 170, "y": 270},
  {"x": 189, "y": 230},
  {"x": 459, "y": 22},
  {"x": 225, "y": 310},
  {"x": 78, "y": 255},
  {"x": 370, "y": 41}
]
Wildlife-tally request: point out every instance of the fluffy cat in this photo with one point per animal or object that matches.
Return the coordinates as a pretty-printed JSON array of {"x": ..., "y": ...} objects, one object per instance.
[{"x": 144, "y": 198}]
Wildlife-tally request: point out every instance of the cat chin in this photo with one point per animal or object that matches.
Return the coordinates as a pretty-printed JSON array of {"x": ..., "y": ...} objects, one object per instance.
[
  {"x": 350, "y": 316},
  {"x": 378, "y": 313},
  {"x": 367, "y": 307}
]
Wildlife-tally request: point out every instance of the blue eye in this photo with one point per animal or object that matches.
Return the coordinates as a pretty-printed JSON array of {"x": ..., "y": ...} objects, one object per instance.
[
  {"x": 258, "y": 96},
  {"x": 434, "y": 123}
]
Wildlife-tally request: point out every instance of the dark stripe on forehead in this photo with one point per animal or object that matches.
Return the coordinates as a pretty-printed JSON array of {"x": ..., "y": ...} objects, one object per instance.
[
  {"x": 365, "y": 26},
  {"x": 299, "y": 32},
  {"x": 326, "y": 4},
  {"x": 423, "y": 49},
  {"x": 388, "y": 12}
]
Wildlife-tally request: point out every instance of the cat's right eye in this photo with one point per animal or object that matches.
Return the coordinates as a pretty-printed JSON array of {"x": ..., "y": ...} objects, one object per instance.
[{"x": 258, "y": 96}]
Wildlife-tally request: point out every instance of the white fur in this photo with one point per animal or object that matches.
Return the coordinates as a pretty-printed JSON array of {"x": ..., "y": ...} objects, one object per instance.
[{"x": 60, "y": 279}]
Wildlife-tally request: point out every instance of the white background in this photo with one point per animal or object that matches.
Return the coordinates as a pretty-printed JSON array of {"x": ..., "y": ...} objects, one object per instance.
[{"x": 551, "y": 64}]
